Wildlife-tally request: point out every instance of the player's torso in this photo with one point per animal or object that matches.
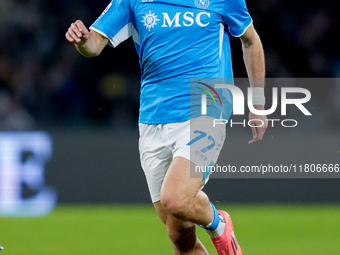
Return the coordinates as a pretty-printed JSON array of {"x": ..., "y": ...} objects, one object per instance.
[{"x": 177, "y": 36}]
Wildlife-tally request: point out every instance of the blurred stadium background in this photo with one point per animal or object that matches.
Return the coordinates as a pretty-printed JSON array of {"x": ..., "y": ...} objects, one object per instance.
[{"x": 68, "y": 134}]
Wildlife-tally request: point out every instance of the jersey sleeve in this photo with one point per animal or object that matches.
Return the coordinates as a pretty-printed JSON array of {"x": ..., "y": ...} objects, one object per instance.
[
  {"x": 236, "y": 17},
  {"x": 115, "y": 22}
]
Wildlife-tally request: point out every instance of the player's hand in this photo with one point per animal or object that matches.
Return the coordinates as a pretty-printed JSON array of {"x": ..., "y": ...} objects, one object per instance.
[
  {"x": 77, "y": 33},
  {"x": 258, "y": 125}
]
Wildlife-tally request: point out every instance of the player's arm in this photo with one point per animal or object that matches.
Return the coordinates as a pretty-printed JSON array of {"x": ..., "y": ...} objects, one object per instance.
[
  {"x": 255, "y": 64},
  {"x": 88, "y": 42}
]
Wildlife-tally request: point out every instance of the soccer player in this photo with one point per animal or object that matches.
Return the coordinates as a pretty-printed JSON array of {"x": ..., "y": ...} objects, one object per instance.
[{"x": 178, "y": 41}]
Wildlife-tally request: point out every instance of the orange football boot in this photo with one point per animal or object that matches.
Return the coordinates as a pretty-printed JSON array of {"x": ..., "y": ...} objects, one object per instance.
[{"x": 227, "y": 244}]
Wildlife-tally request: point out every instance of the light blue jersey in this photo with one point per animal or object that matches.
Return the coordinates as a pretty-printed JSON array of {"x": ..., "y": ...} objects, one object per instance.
[{"x": 176, "y": 40}]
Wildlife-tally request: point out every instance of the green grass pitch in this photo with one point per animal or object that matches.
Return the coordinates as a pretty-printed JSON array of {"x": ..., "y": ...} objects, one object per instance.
[{"x": 125, "y": 230}]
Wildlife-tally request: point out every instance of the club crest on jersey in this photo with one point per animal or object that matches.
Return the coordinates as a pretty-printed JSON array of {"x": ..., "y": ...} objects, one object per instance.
[
  {"x": 150, "y": 20},
  {"x": 202, "y": 4}
]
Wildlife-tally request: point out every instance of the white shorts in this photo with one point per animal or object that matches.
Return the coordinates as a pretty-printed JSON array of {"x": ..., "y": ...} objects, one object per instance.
[{"x": 196, "y": 140}]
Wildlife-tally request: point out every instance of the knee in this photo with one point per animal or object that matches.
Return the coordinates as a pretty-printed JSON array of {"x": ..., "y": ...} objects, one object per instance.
[{"x": 177, "y": 206}]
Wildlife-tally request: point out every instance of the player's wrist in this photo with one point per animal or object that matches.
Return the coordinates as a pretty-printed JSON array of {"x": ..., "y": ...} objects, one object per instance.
[{"x": 258, "y": 97}]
